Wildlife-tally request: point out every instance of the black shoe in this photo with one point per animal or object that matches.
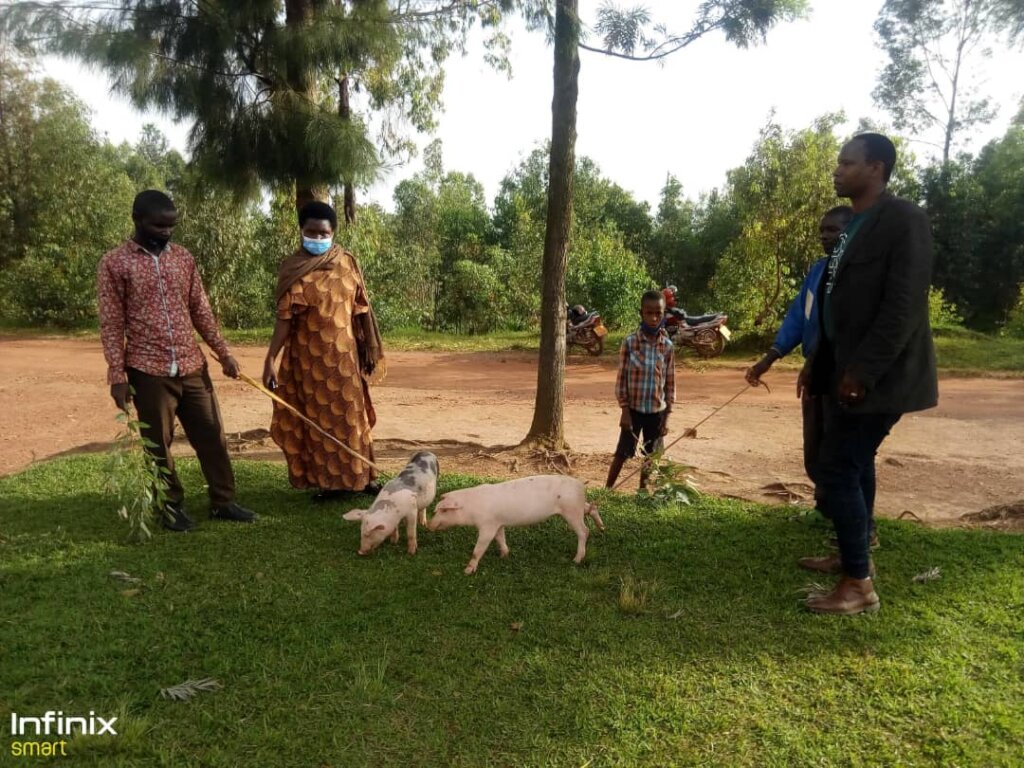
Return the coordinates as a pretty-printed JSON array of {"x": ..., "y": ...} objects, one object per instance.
[
  {"x": 372, "y": 488},
  {"x": 326, "y": 495},
  {"x": 174, "y": 518},
  {"x": 232, "y": 512}
]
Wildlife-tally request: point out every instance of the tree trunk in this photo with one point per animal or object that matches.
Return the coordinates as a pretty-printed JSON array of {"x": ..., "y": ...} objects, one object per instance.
[
  {"x": 297, "y": 14},
  {"x": 547, "y": 429},
  {"x": 345, "y": 112},
  {"x": 951, "y": 125},
  {"x": 306, "y": 191}
]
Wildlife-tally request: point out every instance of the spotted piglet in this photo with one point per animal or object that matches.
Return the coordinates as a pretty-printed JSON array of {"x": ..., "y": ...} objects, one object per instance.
[{"x": 406, "y": 497}]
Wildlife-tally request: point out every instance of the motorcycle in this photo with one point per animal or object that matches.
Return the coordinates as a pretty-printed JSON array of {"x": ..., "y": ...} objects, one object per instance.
[
  {"x": 585, "y": 329},
  {"x": 705, "y": 334}
]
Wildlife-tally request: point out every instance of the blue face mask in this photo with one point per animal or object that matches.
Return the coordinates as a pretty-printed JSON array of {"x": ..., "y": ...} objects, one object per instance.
[
  {"x": 651, "y": 330},
  {"x": 316, "y": 247}
]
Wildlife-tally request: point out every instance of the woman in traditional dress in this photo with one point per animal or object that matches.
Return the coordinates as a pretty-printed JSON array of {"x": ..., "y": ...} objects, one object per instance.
[{"x": 330, "y": 344}]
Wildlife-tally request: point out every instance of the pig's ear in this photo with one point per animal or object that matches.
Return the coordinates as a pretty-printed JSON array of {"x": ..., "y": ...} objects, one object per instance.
[
  {"x": 355, "y": 514},
  {"x": 379, "y": 527}
]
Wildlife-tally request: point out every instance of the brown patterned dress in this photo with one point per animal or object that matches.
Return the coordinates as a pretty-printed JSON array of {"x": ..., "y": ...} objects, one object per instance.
[{"x": 320, "y": 375}]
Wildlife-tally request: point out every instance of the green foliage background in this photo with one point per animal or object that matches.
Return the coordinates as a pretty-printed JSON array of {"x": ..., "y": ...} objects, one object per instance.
[{"x": 446, "y": 259}]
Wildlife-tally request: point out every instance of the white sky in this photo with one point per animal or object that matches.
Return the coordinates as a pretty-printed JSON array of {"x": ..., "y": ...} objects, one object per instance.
[{"x": 696, "y": 116}]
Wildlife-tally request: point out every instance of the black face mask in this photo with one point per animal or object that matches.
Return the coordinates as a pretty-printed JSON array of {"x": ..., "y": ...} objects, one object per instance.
[{"x": 155, "y": 244}]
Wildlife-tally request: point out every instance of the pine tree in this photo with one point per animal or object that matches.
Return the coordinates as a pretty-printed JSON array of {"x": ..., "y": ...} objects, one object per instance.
[{"x": 267, "y": 84}]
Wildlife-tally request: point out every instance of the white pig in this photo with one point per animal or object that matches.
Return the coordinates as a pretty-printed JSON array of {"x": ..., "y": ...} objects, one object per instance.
[
  {"x": 526, "y": 501},
  {"x": 406, "y": 497}
]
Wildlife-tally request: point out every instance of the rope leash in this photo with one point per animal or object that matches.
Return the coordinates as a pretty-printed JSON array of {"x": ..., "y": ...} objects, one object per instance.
[
  {"x": 693, "y": 429},
  {"x": 256, "y": 385}
]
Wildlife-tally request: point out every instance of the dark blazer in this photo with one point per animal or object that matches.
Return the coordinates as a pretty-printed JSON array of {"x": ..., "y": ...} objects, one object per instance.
[{"x": 880, "y": 311}]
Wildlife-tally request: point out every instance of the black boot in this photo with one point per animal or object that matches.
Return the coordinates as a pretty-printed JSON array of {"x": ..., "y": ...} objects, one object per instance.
[
  {"x": 173, "y": 518},
  {"x": 232, "y": 512}
]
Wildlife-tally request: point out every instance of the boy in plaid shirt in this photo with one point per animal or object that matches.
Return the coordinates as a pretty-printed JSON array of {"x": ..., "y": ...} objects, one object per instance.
[{"x": 645, "y": 387}]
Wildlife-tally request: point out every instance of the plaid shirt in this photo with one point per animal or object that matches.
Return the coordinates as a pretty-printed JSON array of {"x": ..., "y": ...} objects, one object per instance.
[
  {"x": 647, "y": 373},
  {"x": 148, "y": 308}
]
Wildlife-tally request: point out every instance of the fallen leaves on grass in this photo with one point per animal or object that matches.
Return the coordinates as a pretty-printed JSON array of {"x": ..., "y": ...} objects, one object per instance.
[
  {"x": 125, "y": 577},
  {"x": 188, "y": 689},
  {"x": 930, "y": 575}
]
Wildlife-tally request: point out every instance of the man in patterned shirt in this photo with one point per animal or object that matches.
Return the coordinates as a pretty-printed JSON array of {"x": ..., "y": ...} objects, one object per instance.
[
  {"x": 150, "y": 299},
  {"x": 645, "y": 386}
]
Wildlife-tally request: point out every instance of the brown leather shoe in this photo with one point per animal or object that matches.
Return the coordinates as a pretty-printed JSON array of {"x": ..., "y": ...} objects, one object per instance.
[
  {"x": 829, "y": 564},
  {"x": 849, "y": 598}
]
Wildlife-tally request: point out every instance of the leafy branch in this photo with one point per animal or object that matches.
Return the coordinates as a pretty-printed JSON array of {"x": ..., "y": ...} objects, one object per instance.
[
  {"x": 669, "y": 482},
  {"x": 136, "y": 479},
  {"x": 744, "y": 22}
]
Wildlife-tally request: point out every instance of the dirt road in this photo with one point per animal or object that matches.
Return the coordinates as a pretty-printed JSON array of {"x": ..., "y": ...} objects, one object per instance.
[{"x": 959, "y": 458}]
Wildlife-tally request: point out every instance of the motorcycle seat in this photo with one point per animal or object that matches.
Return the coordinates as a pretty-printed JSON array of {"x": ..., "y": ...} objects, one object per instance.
[
  {"x": 692, "y": 320},
  {"x": 587, "y": 318}
]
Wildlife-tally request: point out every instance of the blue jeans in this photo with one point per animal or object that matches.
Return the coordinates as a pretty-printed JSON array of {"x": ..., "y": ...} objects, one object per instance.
[
  {"x": 846, "y": 473},
  {"x": 814, "y": 428}
]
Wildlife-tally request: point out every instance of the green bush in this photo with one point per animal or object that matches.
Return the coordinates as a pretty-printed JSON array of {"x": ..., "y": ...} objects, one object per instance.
[
  {"x": 396, "y": 277},
  {"x": 942, "y": 314},
  {"x": 1014, "y": 327},
  {"x": 51, "y": 287},
  {"x": 238, "y": 270},
  {"x": 472, "y": 299},
  {"x": 519, "y": 276},
  {"x": 65, "y": 199},
  {"x": 603, "y": 275}
]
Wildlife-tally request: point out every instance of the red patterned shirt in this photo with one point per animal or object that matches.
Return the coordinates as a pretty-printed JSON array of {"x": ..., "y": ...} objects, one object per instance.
[
  {"x": 647, "y": 373},
  {"x": 149, "y": 306}
]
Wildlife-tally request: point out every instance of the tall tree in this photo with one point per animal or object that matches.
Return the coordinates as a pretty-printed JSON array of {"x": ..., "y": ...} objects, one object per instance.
[
  {"x": 254, "y": 76},
  {"x": 936, "y": 49},
  {"x": 977, "y": 212},
  {"x": 688, "y": 240},
  {"x": 548, "y": 428},
  {"x": 956, "y": 207},
  {"x": 780, "y": 194},
  {"x": 1011, "y": 17},
  {"x": 151, "y": 163},
  {"x": 625, "y": 31},
  {"x": 245, "y": 73},
  {"x": 64, "y": 198}
]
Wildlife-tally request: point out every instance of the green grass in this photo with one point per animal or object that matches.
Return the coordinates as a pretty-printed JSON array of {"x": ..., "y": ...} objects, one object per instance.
[
  {"x": 679, "y": 641},
  {"x": 967, "y": 352}
]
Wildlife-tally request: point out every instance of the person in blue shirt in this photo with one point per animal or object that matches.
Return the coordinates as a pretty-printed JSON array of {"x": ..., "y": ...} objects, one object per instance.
[{"x": 800, "y": 327}]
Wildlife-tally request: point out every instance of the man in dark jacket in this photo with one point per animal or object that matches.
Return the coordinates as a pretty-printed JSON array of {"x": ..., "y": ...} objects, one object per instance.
[{"x": 874, "y": 361}]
